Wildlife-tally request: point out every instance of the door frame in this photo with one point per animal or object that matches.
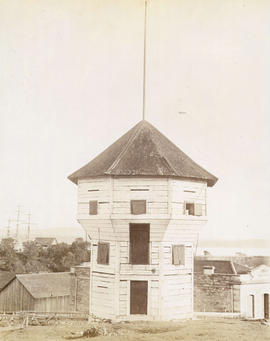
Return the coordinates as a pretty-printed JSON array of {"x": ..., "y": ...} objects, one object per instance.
[{"x": 251, "y": 306}]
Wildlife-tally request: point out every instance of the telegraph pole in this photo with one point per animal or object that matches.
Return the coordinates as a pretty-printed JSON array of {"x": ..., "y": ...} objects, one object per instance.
[
  {"x": 18, "y": 222},
  {"x": 29, "y": 225},
  {"x": 8, "y": 228}
]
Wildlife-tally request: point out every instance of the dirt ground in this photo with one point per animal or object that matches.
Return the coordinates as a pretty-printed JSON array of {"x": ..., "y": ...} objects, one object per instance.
[{"x": 219, "y": 329}]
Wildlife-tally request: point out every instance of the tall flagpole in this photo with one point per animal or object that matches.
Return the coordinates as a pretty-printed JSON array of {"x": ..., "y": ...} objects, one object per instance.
[{"x": 144, "y": 57}]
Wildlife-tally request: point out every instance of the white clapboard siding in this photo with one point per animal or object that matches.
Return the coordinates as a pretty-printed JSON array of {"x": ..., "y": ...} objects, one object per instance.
[
  {"x": 154, "y": 303},
  {"x": 123, "y": 297},
  {"x": 102, "y": 294},
  {"x": 98, "y": 229},
  {"x": 170, "y": 287},
  {"x": 138, "y": 269},
  {"x": 192, "y": 191},
  {"x": 127, "y": 194},
  {"x": 183, "y": 230},
  {"x": 93, "y": 189},
  {"x": 151, "y": 190},
  {"x": 177, "y": 293}
]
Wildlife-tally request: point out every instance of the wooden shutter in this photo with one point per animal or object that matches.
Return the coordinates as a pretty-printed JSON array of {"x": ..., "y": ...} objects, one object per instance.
[
  {"x": 178, "y": 254},
  {"x": 138, "y": 206},
  {"x": 198, "y": 209},
  {"x": 93, "y": 207},
  {"x": 103, "y": 253}
]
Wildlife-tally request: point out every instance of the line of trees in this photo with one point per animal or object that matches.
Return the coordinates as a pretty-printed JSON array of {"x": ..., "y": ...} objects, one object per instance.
[{"x": 35, "y": 258}]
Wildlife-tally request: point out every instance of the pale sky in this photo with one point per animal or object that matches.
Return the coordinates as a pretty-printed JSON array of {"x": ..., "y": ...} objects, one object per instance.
[{"x": 71, "y": 84}]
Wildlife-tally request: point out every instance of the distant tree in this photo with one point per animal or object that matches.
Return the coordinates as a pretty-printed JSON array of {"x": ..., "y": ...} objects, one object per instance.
[
  {"x": 68, "y": 261},
  {"x": 56, "y": 255},
  {"x": 81, "y": 251},
  {"x": 8, "y": 255},
  {"x": 63, "y": 256},
  {"x": 33, "y": 257}
]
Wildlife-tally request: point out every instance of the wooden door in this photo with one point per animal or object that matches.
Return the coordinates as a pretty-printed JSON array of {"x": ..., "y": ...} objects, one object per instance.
[
  {"x": 138, "y": 297},
  {"x": 139, "y": 243},
  {"x": 266, "y": 306}
]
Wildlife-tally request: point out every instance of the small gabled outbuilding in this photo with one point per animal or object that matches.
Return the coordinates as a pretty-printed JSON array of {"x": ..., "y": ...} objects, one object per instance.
[{"x": 41, "y": 292}]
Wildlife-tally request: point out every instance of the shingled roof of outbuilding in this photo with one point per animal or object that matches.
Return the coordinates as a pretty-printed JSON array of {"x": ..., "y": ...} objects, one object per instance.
[
  {"x": 143, "y": 151},
  {"x": 221, "y": 267},
  {"x": 5, "y": 278},
  {"x": 46, "y": 284},
  {"x": 45, "y": 240}
]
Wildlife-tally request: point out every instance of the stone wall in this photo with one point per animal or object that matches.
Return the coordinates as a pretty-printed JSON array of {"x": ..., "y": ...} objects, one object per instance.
[
  {"x": 80, "y": 289},
  {"x": 216, "y": 293}
]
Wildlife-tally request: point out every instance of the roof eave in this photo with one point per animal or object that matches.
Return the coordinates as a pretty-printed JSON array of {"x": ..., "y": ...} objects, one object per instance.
[{"x": 210, "y": 182}]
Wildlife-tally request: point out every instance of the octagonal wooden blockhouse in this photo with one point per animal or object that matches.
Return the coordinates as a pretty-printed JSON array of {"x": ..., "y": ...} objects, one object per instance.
[{"x": 142, "y": 202}]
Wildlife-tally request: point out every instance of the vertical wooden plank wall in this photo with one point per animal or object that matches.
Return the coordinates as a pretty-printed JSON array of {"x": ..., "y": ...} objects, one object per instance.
[{"x": 14, "y": 297}]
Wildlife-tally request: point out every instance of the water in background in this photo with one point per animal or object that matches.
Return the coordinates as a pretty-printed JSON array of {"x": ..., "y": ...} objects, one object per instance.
[{"x": 227, "y": 251}]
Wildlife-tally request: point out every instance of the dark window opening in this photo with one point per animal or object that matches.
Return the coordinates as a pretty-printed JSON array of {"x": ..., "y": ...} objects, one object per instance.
[
  {"x": 178, "y": 254},
  {"x": 192, "y": 209},
  {"x": 139, "y": 235},
  {"x": 189, "y": 208},
  {"x": 138, "y": 206},
  {"x": 103, "y": 253},
  {"x": 93, "y": 207}
]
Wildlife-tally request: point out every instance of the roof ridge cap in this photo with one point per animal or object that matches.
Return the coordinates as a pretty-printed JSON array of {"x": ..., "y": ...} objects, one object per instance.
[
  {"x": 233, "y": 268},
  {"x": 185, "y": 155},
  {"x": 117, "y": 160},
  {"x": 159, "y": 151}
]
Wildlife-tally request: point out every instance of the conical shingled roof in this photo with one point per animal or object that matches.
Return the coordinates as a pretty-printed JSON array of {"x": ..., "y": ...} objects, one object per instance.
[{"x": 143, "y": 151}]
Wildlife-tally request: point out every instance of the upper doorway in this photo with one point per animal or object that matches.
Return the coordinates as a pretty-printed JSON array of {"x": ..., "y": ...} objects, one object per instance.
[{"x": 139, "y": 237}]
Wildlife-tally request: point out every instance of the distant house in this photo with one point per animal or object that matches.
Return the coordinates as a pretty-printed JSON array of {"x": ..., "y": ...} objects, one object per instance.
[
  {"x": 5, "y": 278},
  {"x": 46, "y": 242},
  {"x": 226, "y": 286},
  {"x": 79, "y": 240},
  {"x": 44, "y": 292}
]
